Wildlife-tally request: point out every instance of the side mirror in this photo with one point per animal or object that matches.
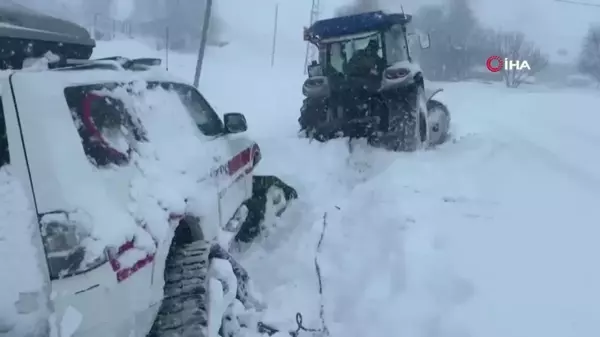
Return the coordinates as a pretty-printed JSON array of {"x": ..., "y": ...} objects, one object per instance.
[
  {"x": 424, "y": 41},
  {"x": 315, "y": 69},
  {"x": 235, "y": 122}
]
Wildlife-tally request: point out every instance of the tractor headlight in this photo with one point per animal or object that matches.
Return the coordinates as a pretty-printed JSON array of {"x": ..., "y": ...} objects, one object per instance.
[{"x": 394, "y": 74}]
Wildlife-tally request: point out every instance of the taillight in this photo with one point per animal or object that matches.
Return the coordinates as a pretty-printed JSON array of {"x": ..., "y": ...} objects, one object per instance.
[
  {"x": 65, "y": 243},
  {"x": 394, "y": 74}
]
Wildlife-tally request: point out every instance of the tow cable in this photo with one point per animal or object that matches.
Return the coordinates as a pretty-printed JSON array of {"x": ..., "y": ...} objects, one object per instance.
[{"x": 323, "y": 331}]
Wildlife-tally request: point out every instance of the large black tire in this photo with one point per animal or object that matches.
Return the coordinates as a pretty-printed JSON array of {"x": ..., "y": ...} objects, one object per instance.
[
  {"x": 312, "y": 114},
  {"x": 257, "y": 205},
  {"x": 184, "y": 312},
  {"x": 407, "y": 124}
]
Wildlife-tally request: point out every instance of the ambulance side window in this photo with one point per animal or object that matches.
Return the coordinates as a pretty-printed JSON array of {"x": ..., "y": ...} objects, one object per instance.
[{"x": 107, "y": 130}]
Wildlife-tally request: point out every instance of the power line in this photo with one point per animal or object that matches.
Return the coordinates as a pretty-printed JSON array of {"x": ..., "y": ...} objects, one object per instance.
[{"x": 573, "y": 2}]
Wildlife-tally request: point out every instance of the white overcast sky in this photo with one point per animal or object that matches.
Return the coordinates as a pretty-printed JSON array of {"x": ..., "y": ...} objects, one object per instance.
[{"x": 553, "y": 25}]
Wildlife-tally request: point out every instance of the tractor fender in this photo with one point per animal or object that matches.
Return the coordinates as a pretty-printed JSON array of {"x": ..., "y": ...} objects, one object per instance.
[{"x": 430, "y": 93}]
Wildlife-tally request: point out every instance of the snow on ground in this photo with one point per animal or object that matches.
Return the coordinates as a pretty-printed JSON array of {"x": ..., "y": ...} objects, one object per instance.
[
  {"x": 530, "y": 251},
  {"x": 24, "y": 282},
  {"x": 492, "y": 234}
]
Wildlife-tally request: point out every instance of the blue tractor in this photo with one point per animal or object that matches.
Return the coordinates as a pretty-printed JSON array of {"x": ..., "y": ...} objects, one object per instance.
[{"x": 367, "y": 85}]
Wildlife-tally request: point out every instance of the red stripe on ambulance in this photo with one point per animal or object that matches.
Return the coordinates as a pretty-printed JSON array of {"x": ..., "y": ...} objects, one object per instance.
[{"x": 233, "y": 166}]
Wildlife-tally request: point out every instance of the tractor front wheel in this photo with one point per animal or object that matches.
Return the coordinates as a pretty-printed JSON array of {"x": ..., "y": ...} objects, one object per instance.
[{"x": 439, "y": 121}]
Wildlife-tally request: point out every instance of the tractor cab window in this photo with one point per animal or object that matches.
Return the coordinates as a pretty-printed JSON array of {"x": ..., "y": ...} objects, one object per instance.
[
  {"x": 337, "y": 55},
  {"x": 364, "y": 43},
  {"x": 396, "y": 49},
  {"x": 341, "y": 55}
]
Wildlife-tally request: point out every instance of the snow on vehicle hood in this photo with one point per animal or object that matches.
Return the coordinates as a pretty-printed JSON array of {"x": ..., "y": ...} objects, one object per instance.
[{"x": 24, "y": 284}]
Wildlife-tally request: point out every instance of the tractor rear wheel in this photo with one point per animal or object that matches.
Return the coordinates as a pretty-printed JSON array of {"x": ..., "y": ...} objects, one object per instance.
[{"x": 408, "y": 125}]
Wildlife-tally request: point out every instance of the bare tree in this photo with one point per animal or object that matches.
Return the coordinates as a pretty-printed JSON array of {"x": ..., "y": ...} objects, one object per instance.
[
  {"x": 514, "y": 46},
  {"x": 589, "y": 59},
  {"x": 98, "y": 7},
  {"x": 455, "y": 34},
  {"x": 182, "y": 18}
]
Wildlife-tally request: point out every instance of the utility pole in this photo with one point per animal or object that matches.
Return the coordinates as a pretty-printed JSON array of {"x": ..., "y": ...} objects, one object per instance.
[
  {"x": 311, "y": 51},
  {"x": 274, "y": 35},
  {"x": 205, "y": 27}
]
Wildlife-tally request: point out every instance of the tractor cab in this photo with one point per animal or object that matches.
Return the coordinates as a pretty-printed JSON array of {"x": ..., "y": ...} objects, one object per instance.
[
  {"x": 365, "y": 83},
  {"x": 362, "y": 45}
]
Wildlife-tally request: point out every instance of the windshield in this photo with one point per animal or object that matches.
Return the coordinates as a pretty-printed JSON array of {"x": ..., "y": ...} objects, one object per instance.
[{"x": 340, "y": 53}]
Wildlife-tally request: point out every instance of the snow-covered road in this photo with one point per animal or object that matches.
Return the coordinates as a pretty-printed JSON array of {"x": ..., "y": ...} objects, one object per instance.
[
  {"x": 493, "y": 234},
  {"x": 531, "y": 253}
]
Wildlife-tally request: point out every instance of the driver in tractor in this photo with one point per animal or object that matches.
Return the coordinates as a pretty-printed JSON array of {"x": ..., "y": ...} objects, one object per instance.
[{"x": 366, "y": 62}]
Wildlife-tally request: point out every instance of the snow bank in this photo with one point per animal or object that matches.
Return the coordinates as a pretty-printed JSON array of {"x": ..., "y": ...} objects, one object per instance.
[
  {"x": 24, "y": 284},
  {"x": 382, "y": 266}
]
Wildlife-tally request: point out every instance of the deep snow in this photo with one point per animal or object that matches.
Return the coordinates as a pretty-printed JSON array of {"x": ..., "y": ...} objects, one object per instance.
[
  {"x": 24, "y": 283},
  {"x": 492, "y": 234}
]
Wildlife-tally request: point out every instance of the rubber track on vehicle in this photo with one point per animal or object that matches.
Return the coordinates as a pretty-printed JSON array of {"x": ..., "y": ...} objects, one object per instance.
[{"x": 184, "y": 312}]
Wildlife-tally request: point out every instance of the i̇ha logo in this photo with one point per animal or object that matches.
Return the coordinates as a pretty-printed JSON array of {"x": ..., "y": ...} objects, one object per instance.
[{"x": 496, "y": 63}]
